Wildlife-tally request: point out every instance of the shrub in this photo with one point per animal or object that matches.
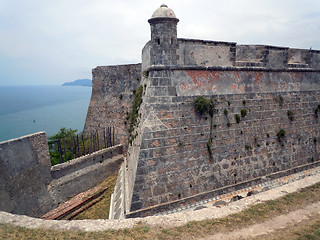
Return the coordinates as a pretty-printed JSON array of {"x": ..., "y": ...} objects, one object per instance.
[
  {"x": 243, "y": 112},
  {"x": 145, "y": 74},
  {"x": 225, "y": 112},
  {"x": 180, "y": 144},
  {"x": 204, "y": 105},
  {"x": 248, "y": 147},
  {"x": 290, "y": 115},
  {"x": 120, "y": 96},
  {"x": 316, "y": 110},
  {"x": 201, "y": 104},
  {"x": 237, "y": 118},
  {"x": 228, "y": 124},
  {"x": 244, "y": 102},
  {"x": 281, "y": 134}
]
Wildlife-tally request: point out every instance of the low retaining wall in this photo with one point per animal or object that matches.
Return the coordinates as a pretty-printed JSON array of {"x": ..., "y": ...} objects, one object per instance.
[
  {"x": 30, "y": 186},
  {"x": 83, "y": 173}
]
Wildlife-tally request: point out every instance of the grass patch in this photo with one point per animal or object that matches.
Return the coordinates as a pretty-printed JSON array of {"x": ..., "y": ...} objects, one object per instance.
[
  {"x": 134, "y": 114},
  {"x": 306, "y": 230},
  {"x": 100, "y": 210},
  {"x": 255, "y": 214}
]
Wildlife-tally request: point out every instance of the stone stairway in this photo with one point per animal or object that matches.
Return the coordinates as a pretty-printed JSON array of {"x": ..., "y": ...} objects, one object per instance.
[{"x": 117, "y": 205}]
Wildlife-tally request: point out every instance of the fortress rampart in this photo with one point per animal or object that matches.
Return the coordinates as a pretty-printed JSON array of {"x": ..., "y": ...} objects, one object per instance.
[{"x": 179, "y": 157}]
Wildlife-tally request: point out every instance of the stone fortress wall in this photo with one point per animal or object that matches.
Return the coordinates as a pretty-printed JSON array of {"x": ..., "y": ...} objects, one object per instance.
[
  {"x": 169, "y": 164},
  {"x": 112, "y": 94}
]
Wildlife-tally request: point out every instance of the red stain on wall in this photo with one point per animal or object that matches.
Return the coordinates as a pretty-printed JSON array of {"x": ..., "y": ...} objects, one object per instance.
[
  {"x": 234, "y": 87},
  {"x": 203, "y": 80},
  {"x": 258, "y": 77}
]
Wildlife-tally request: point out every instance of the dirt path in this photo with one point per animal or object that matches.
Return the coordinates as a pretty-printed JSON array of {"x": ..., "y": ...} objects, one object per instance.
[{"x": 277, "y": 223}]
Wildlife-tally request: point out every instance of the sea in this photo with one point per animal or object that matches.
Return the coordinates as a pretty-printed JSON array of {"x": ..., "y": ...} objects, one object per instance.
[{"x": 29, "y": 109}]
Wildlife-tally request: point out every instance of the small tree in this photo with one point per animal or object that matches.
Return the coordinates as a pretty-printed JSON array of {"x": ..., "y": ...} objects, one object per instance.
[{"x": 65, "y": 136}]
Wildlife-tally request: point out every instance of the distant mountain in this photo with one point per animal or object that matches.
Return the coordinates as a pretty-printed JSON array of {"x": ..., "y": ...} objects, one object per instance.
[{"x": 79, "y": 82}]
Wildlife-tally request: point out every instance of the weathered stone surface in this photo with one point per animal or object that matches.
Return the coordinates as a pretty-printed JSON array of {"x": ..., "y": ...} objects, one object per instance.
[
  {"x": 169, "y": 161},
  {"x": 111, "y": 100},
  {"x": 25, "y": 175}
]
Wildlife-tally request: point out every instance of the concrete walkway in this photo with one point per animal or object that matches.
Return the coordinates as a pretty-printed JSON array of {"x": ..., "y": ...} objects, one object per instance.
[{"x": 176, "y": 219}]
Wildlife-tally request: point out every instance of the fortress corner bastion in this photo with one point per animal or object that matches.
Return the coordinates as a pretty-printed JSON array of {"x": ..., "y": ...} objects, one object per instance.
[{"x": 264, "y": 123}]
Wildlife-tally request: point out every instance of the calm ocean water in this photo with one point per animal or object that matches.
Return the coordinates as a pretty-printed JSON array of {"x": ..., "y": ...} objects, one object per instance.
[{"x": 29, "y": 109}]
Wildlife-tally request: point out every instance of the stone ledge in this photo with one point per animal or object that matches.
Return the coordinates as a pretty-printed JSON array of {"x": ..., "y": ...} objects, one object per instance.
[{"x": 218, "y": 68}]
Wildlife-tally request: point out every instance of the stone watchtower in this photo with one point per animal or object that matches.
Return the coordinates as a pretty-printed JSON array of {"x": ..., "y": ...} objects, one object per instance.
[{"x": 163, "y": 37}]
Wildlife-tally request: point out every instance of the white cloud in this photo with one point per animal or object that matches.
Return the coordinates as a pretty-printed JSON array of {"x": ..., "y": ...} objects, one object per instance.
[{"x": 56, "y": 41}]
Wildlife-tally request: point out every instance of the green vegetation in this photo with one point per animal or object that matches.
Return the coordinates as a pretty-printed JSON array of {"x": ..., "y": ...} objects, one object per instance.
[
  {"x": 134, "y": 114},
  {"x": 290, "y": 115},
  {"x": 244, "y": 102},
  {"x": 225, "y": 112},
  {"x": 229, "y": 103},
  {"x": 145, "y": 74},
  {"x": 100, "y": 210},
  {"x": 204, "y": 105},
  {"x": 237, "y": 118},
  {"x": 180, "y": 144},
  {"x": 67, "y": 145},
  {"x": 316, "y": 110},
  {"x": 228, "y": 124},
  {"x": 248, "y": 147},
  {"x": 120, "y": 96},
  {"x": 209, "y": 149},
  {"x": 281, "y": 134},
  {"x": 243, "y": 112},
  {"x": 67, "y": 137}
]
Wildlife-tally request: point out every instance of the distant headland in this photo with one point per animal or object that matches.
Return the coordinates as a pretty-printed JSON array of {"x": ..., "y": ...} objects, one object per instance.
[{"x": 79, "y": 82}]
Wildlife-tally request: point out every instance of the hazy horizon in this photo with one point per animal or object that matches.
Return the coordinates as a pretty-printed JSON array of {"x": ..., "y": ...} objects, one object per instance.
[{"x": 53, "y": 42}]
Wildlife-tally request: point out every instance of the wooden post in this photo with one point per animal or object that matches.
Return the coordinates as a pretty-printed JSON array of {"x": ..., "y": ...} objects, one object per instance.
[
  {"x": 60, "y": 151},
  {"x": 64, "y": 149},
  {"x": 84, "y": 150},
  {"x": 74, "y": 148},
  {"x": 104, "y": 137},
  {"x": 113, "y": 137},
  {"x": 78, "y": 145},
  {"x": 98, "y": 145}
]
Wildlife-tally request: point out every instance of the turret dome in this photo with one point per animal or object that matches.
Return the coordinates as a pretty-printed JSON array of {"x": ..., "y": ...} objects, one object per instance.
[{"x": 163, "y": 12}]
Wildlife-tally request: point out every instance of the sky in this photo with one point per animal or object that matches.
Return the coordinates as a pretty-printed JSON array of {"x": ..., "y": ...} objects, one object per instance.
[{"x": 49, "y": 42}]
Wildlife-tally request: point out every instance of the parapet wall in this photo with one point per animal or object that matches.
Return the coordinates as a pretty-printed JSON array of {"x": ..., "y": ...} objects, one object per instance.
[
  {"x": 30, "y": 186},
  {"x": 200, "y": 53},
  {"x": 25, "y": 175}
]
